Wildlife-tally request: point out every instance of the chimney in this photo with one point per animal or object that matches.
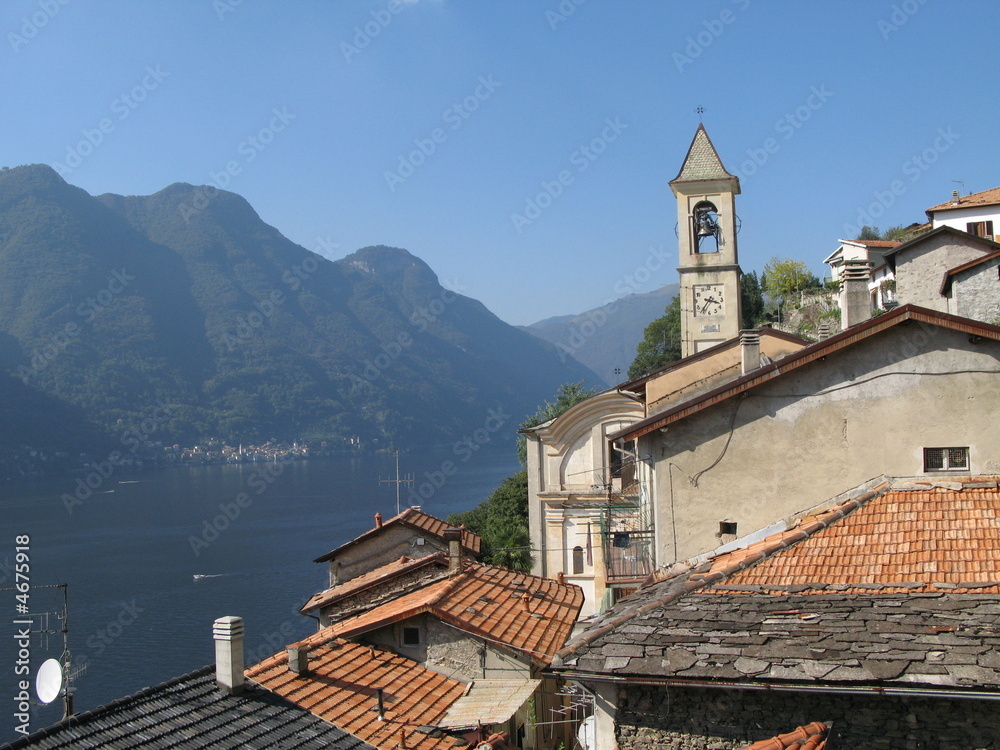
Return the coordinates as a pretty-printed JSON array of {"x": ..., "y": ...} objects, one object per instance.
[
  {"x": 750, "y": 350},
  {"x": 955, "y": 198},
  {"x": 228, "y": 634},
  {"x": 526, "y": 601},
  {"x": 298, "y": 660},
  {"x": 824, "y": 331},
  {"x": 380, "y": 703},
  {"x": 560, "y": 578},
  {"x": 855, "y": 304},
  {"x": 453, "y": 536},
  {"x": 378, "y": 520}
]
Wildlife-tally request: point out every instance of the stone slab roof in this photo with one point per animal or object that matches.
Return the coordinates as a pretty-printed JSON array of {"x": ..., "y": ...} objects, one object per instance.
[
  {"x": 897, "y": 584},
  {"x": 190, "y": 713},
  {"x": 702, "y": 161}
]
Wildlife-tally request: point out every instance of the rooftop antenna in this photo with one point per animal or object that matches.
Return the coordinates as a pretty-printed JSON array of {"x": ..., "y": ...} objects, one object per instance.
[
  {"x": 960, "y": 182},
  {"x": 54, "y": 675},
  {"x": 397, "y": 481}
]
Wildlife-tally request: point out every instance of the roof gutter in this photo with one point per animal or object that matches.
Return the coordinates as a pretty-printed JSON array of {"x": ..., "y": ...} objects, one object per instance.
[{"x": 786, "y": 688}]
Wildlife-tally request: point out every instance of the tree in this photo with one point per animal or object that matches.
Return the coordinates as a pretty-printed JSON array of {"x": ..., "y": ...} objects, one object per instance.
[
  {"x": 751, "y": 300},
  {"x": 661, "y": 342},
  {"x": 873, "y": 233},
  {"x": 502, "y": 521},
  {"x": 784, "y": 277},
  {"x": 569, "y": 394},
  {"x": 869, "y": 233}
]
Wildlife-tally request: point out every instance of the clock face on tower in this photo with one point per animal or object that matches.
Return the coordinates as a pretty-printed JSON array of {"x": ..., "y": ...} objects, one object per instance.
[{"x": 709, "y": 300}]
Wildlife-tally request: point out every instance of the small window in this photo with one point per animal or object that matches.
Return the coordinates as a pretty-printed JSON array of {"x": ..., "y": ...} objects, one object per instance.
[
  {"x": 577, "y": 560},
  {"x": 980, "y": 228},
  {"x": 946, "y": 459},
  {"x": 727, "y": 528},
  {"x": 411, "y": 637}
]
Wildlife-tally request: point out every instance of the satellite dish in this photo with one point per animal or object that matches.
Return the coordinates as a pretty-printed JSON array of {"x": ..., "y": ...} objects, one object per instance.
[
  {"x": 49, "y": 680},
  {"x": 586, "y": 735}
]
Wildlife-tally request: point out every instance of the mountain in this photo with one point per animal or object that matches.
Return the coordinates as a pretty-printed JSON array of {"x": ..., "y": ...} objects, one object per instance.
[
  {"x": 184, "y": 314},
  {"x": 605, "y": 338}
]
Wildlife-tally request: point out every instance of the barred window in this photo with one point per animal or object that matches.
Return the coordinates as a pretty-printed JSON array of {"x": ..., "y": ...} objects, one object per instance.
[{"x": 946, "y": 459}]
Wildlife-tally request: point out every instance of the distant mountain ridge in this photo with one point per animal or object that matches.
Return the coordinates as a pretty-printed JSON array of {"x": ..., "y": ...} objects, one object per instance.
[
  {"x": 605, "y": 338},
  {"x": 212, "y": 323}
]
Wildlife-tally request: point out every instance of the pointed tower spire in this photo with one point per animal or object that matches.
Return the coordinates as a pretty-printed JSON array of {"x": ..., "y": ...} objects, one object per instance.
[{"x": 703, "y": 163}]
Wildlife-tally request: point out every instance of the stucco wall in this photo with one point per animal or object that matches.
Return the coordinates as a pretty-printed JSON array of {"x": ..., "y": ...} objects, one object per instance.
[
  {"x": 654, "y": 718},
  {"x": 975, "y": 293},
  {"x": 822, "y": 430},
  {"x": 385, "y": 591},
  {"x": 921, "y": 268}
]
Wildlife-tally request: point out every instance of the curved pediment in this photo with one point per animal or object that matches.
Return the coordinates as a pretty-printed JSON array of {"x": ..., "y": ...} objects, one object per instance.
[{"x": 576, "y": 422}]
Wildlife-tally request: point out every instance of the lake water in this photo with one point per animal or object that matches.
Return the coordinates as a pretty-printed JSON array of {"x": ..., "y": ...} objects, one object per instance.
[{"x": 137, "y": 614}]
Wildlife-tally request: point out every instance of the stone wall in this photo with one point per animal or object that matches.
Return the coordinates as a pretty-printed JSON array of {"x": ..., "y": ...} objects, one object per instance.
[
  {"x": 452, "y": 652},
  {"x": 661, "y": 718},
  {"x": 976, "y": 293}
]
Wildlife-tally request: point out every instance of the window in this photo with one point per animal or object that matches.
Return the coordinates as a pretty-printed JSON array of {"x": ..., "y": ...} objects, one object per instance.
[
  {"x": 946, "y": 459},
  {"x": 980, "y": 228},
  {"x": 727, "y": 528},
  {"x": 411, "y": 637},
  {"x": 577, "y": 560}
]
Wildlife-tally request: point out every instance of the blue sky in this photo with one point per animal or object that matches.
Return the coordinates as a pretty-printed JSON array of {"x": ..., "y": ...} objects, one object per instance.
[{"x": 436, "y": 125}]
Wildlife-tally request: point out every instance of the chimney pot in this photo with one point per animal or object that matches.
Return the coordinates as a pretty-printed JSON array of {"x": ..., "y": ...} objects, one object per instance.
[
  {"x": 298, "y": 660},
  {"x": 955, "y": 198},
  {"x": 749, "y": 350},
  {"x": 453, "y": 536},
  {"x": 560, "y": 577},
  {"x": 855, "y": 302},
  {"x": 380, "y": 703},
  {"x": 378, "y": 520},
  {"x": 526, "y": 601},
  {"x": 228, "y": 635}
]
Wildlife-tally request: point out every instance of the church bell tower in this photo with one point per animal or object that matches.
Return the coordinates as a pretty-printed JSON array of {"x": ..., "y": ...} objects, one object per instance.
[{"x": 709, "y": 269}]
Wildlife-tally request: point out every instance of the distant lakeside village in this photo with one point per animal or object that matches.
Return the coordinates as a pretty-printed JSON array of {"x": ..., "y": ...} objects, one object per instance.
[{"x": 771, "y": 542}]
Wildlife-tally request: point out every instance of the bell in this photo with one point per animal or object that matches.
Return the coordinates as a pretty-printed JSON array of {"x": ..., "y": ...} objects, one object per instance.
[{"x": 704, "y": 230}]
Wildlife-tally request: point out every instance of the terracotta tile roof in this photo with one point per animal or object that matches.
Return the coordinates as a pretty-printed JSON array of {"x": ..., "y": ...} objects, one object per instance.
[
  {"x": 921, "y": 539},
  {"x": 989, "y": 197},
  {"x": 810, "y": 737},
  {"x": 341, "y": 688},
  {"x": 877, "y": 243},
  {"x": 525, "y": 612},
  {"x": 418, "y": 520},
  {"x": 372, "y": 579},
  {"x": 791, "y": 362}
]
